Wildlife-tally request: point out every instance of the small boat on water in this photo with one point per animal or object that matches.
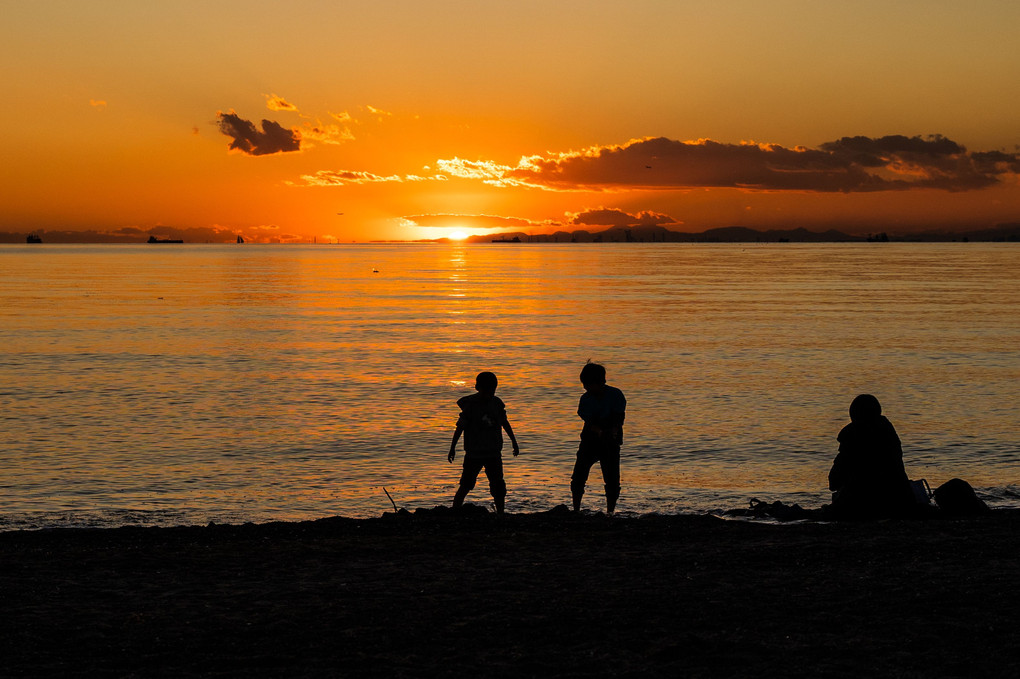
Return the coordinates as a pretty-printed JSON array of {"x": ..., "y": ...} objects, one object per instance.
[
  {"x": 33, "y": 238},
  {"x": 153, "y": 239},
  {"x": 239, "y": 239}
]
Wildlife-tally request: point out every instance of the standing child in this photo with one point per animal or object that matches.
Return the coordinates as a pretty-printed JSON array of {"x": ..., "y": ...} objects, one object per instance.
[
  {"x": 603, "y": 409},
  {"x": 482, "y": 420}
]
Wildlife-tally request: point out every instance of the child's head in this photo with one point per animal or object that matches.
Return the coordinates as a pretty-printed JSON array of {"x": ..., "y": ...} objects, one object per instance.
[
  {"x": 865, "y": 407},
  {"x": 486, "y": 383},
  {"x": 593, "y": 376}
]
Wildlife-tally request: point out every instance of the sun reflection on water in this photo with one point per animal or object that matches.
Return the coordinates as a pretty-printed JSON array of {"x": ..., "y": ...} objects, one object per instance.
[{"x": 294, "y": 382}]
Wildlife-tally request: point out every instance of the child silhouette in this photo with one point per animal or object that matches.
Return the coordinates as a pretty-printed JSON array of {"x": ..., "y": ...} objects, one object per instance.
[
  {"x": 603, "y": 409},
  {"x": 482, "y": 421}
]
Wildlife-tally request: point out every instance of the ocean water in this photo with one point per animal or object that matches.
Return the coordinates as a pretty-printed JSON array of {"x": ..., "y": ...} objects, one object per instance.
[{"x": 164, "y": 385}]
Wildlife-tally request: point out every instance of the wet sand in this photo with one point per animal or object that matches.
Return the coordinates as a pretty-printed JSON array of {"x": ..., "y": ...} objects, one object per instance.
[{"x": 543, "y": 595}]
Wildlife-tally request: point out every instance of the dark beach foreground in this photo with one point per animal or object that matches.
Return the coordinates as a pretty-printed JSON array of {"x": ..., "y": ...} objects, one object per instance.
[{"x": 552, "y": 594}]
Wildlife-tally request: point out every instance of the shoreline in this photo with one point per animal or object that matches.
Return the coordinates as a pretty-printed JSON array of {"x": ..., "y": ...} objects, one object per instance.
[
  {"x": 747, "y": 504},
  {"x": 436, "y": 593}
]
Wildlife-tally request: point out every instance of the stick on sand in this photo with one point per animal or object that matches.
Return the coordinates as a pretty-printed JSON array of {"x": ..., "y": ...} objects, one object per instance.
[{"x": 391, "y": 499}]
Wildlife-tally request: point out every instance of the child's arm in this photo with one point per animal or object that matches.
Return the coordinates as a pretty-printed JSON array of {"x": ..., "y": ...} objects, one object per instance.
[
  {"x": 453, "y": 444},
  {"x": 612, "y": 421},
  {"x": 589, "y": 417},
  {"x": 611, "y": 424},
  {"x": 513, "y": 439}
]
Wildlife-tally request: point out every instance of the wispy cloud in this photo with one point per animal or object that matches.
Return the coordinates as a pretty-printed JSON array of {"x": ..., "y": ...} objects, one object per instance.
[
  {"x": 278, "y": 103},
  {"x": 487, "y": 171},
  {"x": 483, "y": 222},
  {"x": 378, "y": 112},
  {"x": 344, "y": 177},
  {"x": 326, "y": 134},
  {"x": 274, "y": 138},
  {"x": 850, "y": 164},
  {"x": 97, "y": 103}
]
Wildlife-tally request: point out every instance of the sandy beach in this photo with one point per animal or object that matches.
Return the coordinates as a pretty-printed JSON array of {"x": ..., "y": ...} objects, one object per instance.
[{"x": 549, "y": 594}]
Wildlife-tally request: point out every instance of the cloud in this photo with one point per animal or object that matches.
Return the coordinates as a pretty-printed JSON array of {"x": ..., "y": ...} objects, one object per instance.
[
  {"x": 327, "y": 134},
  {"x": 934, "y": 162},
  {"x": 378, "y": 111},
  {"x": 612, "y": 217},
  {"x": 277, "y": 103},
  {"x": 471, "y": 221},
  {"x": 97, "y": 103},
  {"x": 274, "y": 138},
  {"x": 485, "y": 170},
  {"x": 850, "y": 164},
  {"x": 875, "y": 152},
  {"x": 342, "y": 177},
  {"x": 997, "y": 162}
]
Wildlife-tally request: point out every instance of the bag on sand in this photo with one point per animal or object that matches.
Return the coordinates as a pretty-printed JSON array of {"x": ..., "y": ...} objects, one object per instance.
[
  {"x": 922, "y": 492},
  {"x": 956, "y": 497}
]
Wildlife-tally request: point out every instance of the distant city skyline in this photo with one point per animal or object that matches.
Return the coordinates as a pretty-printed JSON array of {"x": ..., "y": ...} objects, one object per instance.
[{"x": 438, "y": 119}]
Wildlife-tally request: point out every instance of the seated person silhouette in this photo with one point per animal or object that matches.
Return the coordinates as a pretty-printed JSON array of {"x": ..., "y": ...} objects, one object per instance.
[{"x": 867, "y": 476}]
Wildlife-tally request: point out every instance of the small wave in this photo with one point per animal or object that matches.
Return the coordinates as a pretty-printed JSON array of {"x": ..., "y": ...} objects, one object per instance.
[{"x": 1000, "y": 495}]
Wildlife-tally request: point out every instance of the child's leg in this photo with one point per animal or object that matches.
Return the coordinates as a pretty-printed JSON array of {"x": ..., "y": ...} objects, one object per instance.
[
  {"x": 579, "y": 477},
  {"x": 497, "y": 485},
  {"x": 467, "y": 480},
  {"x": 610, "y": 463}
]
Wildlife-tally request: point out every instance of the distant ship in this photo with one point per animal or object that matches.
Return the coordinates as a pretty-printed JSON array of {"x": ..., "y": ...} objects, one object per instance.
[
  {"x": 153, "y": 239},
  {"x": 32, "y": 238},
  {"x": 240, "y": 240},
  {"x": 515, "y": 239}
]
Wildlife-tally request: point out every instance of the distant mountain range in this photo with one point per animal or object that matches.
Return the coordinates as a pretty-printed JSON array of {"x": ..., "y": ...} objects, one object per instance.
[
  {"x": 740, "y": 234},
  {"x": 660, "y": 234}
]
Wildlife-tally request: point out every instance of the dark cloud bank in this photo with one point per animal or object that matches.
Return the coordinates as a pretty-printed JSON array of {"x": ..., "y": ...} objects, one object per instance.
[
  {"x": 612, "y": 217},
  {"x": 850, "y": 164},
  {"x": 274, "y": 138}
]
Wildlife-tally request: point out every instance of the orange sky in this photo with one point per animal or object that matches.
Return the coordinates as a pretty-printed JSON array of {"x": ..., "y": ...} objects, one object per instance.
[{"x": 418, "y": 119}]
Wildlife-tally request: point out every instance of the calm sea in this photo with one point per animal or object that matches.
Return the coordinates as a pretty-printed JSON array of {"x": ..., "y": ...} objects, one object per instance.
[{"x": 175, "y": 384}]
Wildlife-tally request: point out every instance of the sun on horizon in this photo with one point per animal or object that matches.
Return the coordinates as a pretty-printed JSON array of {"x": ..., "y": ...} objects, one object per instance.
[{"x": 371, "y": 124}]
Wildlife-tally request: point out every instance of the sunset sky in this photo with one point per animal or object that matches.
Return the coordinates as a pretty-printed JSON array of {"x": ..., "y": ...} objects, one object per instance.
[{"x": 422, "y": 119}]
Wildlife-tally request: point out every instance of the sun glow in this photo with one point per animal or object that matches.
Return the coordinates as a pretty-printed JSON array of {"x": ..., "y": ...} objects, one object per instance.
[{"x": 457, "y": 235}]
